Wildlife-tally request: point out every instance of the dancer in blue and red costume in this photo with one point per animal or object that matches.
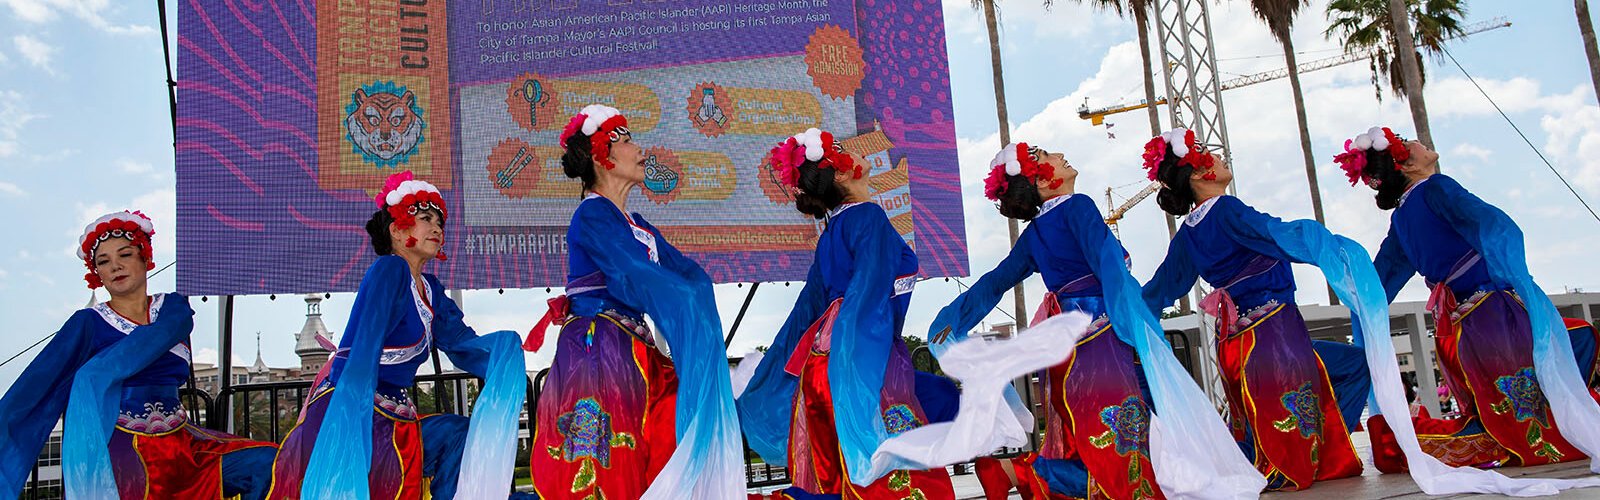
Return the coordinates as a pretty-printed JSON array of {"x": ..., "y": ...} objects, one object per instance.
[
  {"x": 617, "y": 418},
  {"x": 1097, "y": 439},
  {"x": 1493, "y": 324},
  {"x": 360, "y": 434},
  {"x": 1291, "y": 406},
  {"x": 838, "y": 380},
  {"x": 1287, "y": 415},
  {"x": 121, "y": 363}
]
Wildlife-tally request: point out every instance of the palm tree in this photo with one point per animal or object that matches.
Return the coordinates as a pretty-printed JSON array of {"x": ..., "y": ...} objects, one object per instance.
[
  {"x": 1369, "y": 25},
  {"x": 1279, "y": 16},
  {"x": 991, "y": 19},
  {"x": 1586, "y": 27}
]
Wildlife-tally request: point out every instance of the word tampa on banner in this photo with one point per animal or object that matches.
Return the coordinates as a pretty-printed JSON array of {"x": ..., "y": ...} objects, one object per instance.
[{"x": 291, "y": 114}]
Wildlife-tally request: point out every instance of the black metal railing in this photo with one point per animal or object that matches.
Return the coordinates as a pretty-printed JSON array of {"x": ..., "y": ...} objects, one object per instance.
[
  {"x": 262, "y": 411},
  {"x": 266, "y": 411},
  {"x": 760, "y": 474}
]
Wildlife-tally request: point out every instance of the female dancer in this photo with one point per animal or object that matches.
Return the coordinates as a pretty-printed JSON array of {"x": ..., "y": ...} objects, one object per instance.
[
  {"x": 125, "y": 357},
  {"x": 617, "y": 419},
  {"x": 1285, "y": 412},
  {"x": 359, "y": 417},
  {"x": 1496, "y": 329},
  {"x": 838, "y": 380},
  {"x": 1097, "y": 441}
]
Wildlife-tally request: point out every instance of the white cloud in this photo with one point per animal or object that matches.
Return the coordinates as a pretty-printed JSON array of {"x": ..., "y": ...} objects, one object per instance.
[
  {"x": 39, "y": 278},
  {"x": 1471, "y": 151},
  {"x": 35, "y": 51},
  {"x": 86, "y": 214},
  {"x": 9, "y": 189},
  {"x": 3, "y": 58},
  {"x": 13, "y": 116},
  {"x": 1573, "y": 141},
  {"x": 209, "y": 356},
  {"x": 31, "y": 11},
  {"x": 162, "y": 208},
  {"x": 160, "y": 205},
  {"x": 90, "y": 11},
  {"x": 53, "y": 156},
  {"x": 130, "y": 166}
]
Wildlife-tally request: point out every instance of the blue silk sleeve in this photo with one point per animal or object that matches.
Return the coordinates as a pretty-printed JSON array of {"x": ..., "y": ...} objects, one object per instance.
[
  {"x": 1107, "y": 261},
  {"x": 1307, "y": 242},
  {"x": 1394, "y": 269},
  {"x": 492, "y": 433},
  {"x": 1173, "y": 278},
  {"x": 96, "y": 394},
  {"x": 862, "y": 335},
  {"x": 767, "y": 404},
  {"x": 342, "y": 455},
  {"x": 1194, "y": 434},
  {"x": 1261, "y": 233},
  {"x": 37, "y": 399},
  {"x": 674, "y": 260},
  {"x": 709, "y": 458},
  {"x": 450, "y": 332},
  {"x": 969, "y": 308},
  {"x": 1499, "y": 241}
]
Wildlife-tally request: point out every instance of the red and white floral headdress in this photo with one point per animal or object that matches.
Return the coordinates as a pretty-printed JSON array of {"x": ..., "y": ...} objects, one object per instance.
[
  {"x": 1017, "y": 159},
  {"x": 1183, "y": 145},
  {"x": 811, "y": 145},
  {"x": 403, "y": 196},
  {"x": 603, "y": 125},
  {"x": 133, "y": 226},
  {"x": 1354, "y": 158}
]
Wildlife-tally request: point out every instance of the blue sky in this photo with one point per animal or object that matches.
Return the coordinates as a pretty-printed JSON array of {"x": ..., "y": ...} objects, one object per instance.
[{"x": 84, "y": 129}]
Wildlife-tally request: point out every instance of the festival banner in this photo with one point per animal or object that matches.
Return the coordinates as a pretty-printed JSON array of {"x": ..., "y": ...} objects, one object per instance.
[{"x": 291, "y": 114}]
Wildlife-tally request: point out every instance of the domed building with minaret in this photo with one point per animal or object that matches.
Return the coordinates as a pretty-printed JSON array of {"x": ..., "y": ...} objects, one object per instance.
[{"x": 312, "y": 354}]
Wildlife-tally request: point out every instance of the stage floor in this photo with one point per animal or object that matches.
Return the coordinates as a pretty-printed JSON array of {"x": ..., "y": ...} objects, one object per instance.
[{"x": 1371, "y": 484}]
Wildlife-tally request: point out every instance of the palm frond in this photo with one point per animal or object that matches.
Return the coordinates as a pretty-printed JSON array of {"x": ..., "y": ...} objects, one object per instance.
[
  {"x": 1366, "y": 25},
  {"x": 1278, "y": 14}
]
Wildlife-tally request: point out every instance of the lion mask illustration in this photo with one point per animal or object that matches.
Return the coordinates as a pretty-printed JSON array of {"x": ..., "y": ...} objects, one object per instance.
[{"x": 384, "y": 125}]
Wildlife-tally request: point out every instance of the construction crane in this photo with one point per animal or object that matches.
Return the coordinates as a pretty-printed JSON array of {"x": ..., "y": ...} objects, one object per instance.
[
  {"x": 1098, "y": 116},
  {"x": 1115, "y": 214}
]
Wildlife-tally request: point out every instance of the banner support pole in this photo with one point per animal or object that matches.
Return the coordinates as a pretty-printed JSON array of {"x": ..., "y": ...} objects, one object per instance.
[
  {"x": 224, "y": 357},
  {"x": 737, "y": 319}
]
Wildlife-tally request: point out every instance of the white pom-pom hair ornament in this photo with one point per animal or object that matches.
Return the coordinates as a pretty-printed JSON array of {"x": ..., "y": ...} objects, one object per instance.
[
  {"x": 1363, "y": 141},
  {"x": 1374, "y": 139},
  {"x": 596, "y": 115},
  {"x": 1379, "y": 141},
  {"x": 1008, "y": 157},
  {"x": 1177, "y": 139},
  {"x": 408, "y": 188},
  {"x": 811, "y": 141}
]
